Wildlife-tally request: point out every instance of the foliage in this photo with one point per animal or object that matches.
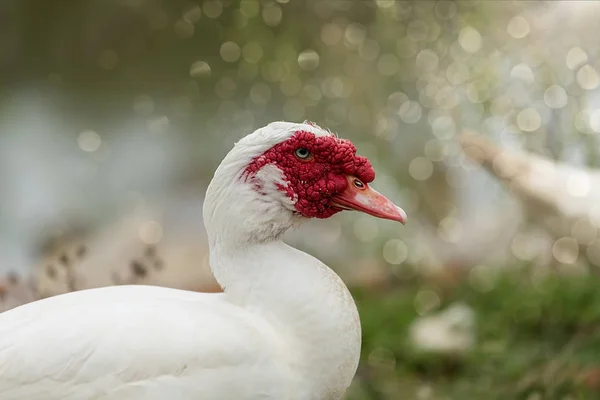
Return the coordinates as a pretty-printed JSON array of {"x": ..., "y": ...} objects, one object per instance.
[{"x": 535, "y": 340}]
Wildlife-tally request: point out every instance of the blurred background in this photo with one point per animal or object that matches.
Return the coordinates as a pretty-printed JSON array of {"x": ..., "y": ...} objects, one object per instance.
[{"x": 481, "y": 119}]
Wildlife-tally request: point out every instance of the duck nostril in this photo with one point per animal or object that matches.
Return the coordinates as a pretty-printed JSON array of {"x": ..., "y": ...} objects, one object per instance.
[{"x": 358, "y": 184}]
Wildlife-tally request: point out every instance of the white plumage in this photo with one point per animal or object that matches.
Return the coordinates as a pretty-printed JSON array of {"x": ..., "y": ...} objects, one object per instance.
[
  {"x": 285, "y": 327},
  {"x": 557, "y": 194},
  {"x": 448, "y": 332},
  {"x": 561, "y": 198}
]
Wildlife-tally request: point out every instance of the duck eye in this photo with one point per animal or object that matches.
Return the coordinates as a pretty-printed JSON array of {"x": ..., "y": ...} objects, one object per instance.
[
  {"x": 302, "y": 153},
  {"x": 358, "y": 184}
]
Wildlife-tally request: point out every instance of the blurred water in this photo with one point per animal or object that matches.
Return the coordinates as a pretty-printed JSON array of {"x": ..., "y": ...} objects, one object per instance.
[{"x": 51, "y": 181}]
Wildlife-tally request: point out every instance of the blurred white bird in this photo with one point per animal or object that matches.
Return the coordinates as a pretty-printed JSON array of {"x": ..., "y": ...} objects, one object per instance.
[
  {"x": 564, "y": 199},
  {"x": 449, "y": 332}
]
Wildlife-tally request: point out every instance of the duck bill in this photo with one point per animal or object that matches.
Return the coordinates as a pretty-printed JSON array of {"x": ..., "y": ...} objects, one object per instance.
[{"x": 368, "y": 200}]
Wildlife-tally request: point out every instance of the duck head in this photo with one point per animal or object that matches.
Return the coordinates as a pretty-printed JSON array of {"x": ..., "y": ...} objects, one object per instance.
[{"x": 284, "y": 173}]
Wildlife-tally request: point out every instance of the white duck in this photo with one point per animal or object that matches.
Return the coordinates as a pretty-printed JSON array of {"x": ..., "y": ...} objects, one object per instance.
[
  {"x": 286, "y": 326},
  {"x": 449, "y": 332},
  {"x": 561, "y": 197}
]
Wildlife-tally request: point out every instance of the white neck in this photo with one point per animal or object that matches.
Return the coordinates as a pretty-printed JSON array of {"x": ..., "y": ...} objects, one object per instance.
[{"x": 294, "y": 291}]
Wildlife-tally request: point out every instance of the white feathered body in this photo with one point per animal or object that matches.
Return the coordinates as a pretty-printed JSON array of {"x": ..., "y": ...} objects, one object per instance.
[
  {"x": 285, "y": 328},
  {"x": 117, "y": 343},
  {"x": 146, "y": 342}
]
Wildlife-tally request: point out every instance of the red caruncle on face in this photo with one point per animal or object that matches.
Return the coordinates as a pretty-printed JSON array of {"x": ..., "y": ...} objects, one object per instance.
[{"x": 313, "y": 180}]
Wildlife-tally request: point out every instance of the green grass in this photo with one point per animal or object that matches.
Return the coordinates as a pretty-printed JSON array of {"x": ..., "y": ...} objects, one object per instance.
[{"x": 534, "y": 342}]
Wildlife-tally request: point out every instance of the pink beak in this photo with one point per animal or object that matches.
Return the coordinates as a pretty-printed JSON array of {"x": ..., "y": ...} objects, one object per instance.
[{"x": 359, "y": 196}]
